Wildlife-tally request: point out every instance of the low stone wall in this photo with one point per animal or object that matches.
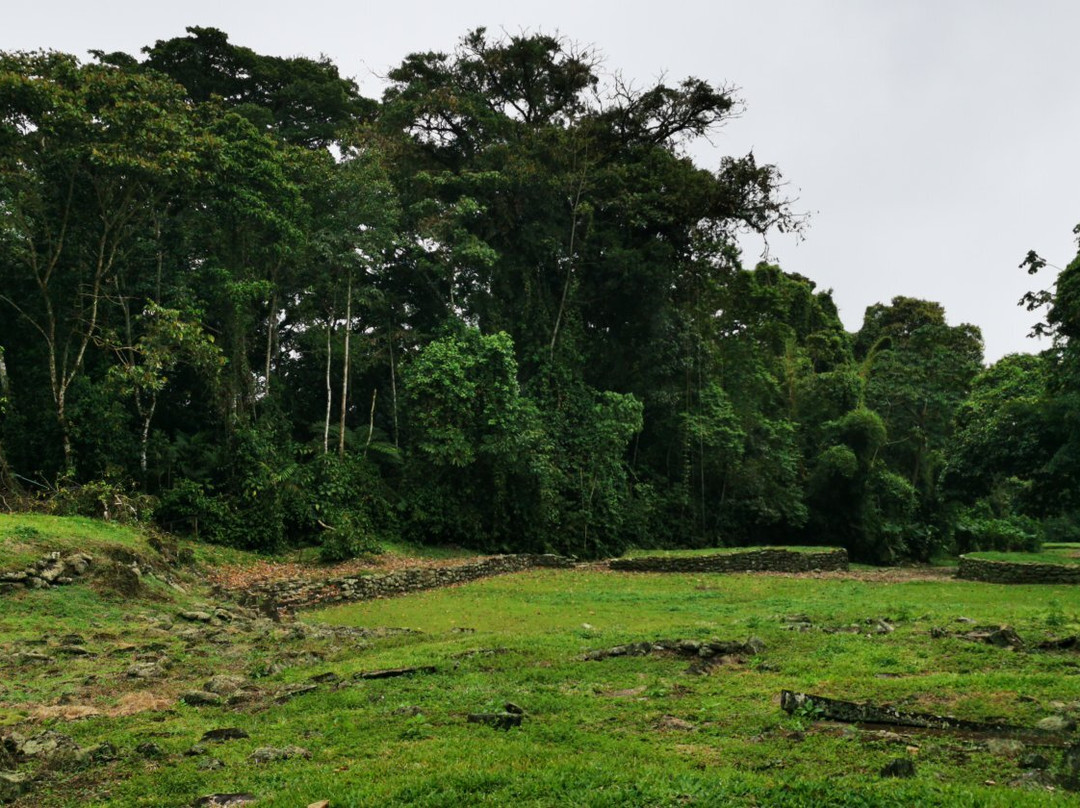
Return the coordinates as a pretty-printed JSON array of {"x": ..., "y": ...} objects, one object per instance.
[
  {"x": 750, "y": 561},
  {"x": 1017, "y": 572},
  {"x": 52, "y": 570},
  {"x": 299, "y": 594}
]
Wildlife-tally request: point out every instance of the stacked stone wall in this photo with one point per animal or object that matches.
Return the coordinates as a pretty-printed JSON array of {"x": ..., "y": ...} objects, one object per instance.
[
  {"x": 768, "y": 560},
  {"x": 1017, "y": 572},
  {"x": 300, "y": 593}
]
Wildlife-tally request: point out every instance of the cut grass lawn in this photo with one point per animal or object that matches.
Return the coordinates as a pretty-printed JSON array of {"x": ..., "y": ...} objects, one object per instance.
[
  {"x": 624, "y": 731},
  {"x": 1049, "y": 555}
]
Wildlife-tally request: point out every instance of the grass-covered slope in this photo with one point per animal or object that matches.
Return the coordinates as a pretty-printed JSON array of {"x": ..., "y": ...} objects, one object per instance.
[{"x": 659, "y": 729}]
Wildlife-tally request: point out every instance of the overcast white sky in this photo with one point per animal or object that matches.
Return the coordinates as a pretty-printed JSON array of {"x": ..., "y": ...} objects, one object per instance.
[{"x": 934, "y": 141}]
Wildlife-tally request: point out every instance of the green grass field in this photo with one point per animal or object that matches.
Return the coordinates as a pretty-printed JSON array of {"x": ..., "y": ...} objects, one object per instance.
[
  {"x": 1060, "y": 554},
  {"x": 623, "y": 731}
]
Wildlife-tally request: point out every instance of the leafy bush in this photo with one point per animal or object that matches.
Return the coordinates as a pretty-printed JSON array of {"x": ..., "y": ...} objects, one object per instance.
[
  {"x": 351, "y": 537},
  {"x": 976, "y": 531}
]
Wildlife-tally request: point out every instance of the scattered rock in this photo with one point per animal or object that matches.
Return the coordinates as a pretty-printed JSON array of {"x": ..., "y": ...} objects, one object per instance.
[
  {"x": 102, "y": 753},
  {"x": 292, "y": 692},
  {"x": 701, "y": 649},
  {"x": 149, "y": 750},
  {"x": 269, "y": 754},
  {"x": 13, "y": 786},
  {"x": 1057, "y": 723},
  {"x": 224, "y": 734},
  {"x": 1006, "y": 747},
  {"x": 320, "y": 804},
  {"x": 210, "y": 765},
  {"x": 510, "y": 707},
  {"x": 119, "y": 578},
  {"x": 390, "y": 673},
  {"x": 223, "y": 685},
  {"x": 195, "y": 751},
  {"x": 145, "y": 670},
  {"x": 496, "y": 720},
  {"x": 195, "y": 617},
  {"x": 1033, "y": 760},
  {"x": 899, "y": 767},
  {"x": 224, "y": 800},
  {"x": 72, "y": 651},
  {"x": 325, "y": 678},
  {"x": 673, "y": 723},
  {"x": 201, "y": 698}
]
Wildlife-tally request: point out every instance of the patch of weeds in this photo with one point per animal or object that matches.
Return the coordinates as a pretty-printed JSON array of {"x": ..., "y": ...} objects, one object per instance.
[
  {"x": 417, "y": 728},
  {"x": 27, "y": 533},
  {"x": 1055, "y": 615}
]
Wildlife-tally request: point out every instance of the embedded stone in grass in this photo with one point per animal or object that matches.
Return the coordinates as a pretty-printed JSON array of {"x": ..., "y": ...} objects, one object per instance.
[
  {"x": 145, "y": 670},
  {"x": 149, "y": 750},
  {"x": 510, "y": 707},
  {"x": 201, "y": 698},
  {"x": 269, "y": 754},
  {"x": 899, "y": 767},
  {"x": 210, "y": 765},
  {"x": 1033, "y": 760},
  {"x": 13, "y": 786},
  {"x": 224, "y": 734},
  {"x": 390, "y": 673},
  {"x": 1057, "y": 723},
  {"x": 73, "y": 650},
  {"x": 325, "y": 678},
  {"x": 496, "y": 720},
  {"x": 223, "y": 684},
  {"x": 294, "y": 691},
  {"x": 114, "y": 576},
  {"x": 195, "y": 617},
  {"x": 224, "y": 800},
  {"x": 671, "y": 722}
]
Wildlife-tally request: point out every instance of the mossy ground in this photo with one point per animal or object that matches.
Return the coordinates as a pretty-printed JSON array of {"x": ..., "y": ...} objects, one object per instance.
[{"x": 625, "y": 731}]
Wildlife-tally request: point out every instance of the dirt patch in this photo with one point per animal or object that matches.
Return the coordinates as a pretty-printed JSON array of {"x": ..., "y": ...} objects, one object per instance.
[{"x": 129, "y": 704}]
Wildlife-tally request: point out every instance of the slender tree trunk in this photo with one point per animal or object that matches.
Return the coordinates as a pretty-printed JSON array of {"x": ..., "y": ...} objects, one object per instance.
[
  {"x": 5, "y": 382},
  {"x": 143, "y": 447},
  {"x": 271, "y": 317},
  {"x": 345, "y": 366},
  {"x": 329, "y": 389},
  {"x": 569, "y": 267},
  {"x": 393, "y": 378},
  {"x": 371, "y": 420}
]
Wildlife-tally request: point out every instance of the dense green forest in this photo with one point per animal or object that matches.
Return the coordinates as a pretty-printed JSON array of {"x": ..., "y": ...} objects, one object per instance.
[{"x": 500, "y": 307}]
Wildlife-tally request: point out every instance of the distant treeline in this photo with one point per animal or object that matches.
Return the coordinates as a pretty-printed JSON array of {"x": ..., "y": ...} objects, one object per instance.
[{"x": 499, "y": 307}]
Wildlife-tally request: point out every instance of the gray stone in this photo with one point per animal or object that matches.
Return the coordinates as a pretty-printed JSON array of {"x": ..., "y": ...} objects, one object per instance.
[
  {"x": 195, "y": 617},
  {"x": 200, "y": 698},
  {"x": 224, "y": 734},
  {"x": 224, "y": 800},
  {"x": 1057, "y": 723},
  {"x": 145, "y": 670},
  {"x": 223, "y": 684},
  {"x": 290, "y": 693},
  {"x": 149, "y": 750},
  {"x": 899, "y": 767},
  {"x": 72, "y": 650},
  {"x": 210, "y": 765},
  {"x": 496, "y": 720},
  {"x": 269, "y": 754},
  {"x": 13, "y": 786},
  {"x": 1033, "y": 760}
]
